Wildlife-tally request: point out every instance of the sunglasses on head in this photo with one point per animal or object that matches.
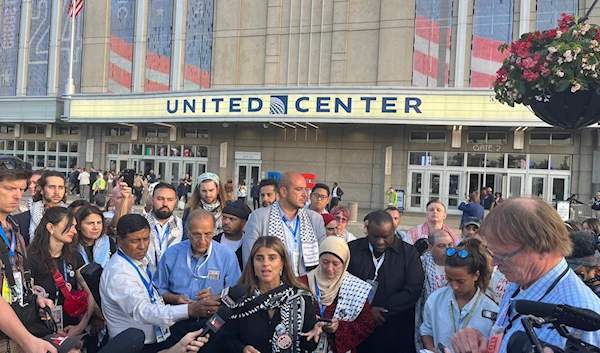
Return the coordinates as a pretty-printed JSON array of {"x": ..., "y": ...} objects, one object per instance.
[
  {"x": 11, "y": 163},
  {"x": 461, "y": 253}
]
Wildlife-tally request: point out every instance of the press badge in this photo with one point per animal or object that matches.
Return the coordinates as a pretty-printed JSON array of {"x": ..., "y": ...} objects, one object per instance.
[
  {"x": 162, "y": 333},
  {"x": 373, "y": 290},
  {"x": 14, "y": 294},
  {"x": 214, "y": 274},
  {"x": 57, "y": 315}
]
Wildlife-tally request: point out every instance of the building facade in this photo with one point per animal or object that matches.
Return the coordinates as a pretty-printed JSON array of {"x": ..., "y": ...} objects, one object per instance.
[{"x": 366, "y": 93}]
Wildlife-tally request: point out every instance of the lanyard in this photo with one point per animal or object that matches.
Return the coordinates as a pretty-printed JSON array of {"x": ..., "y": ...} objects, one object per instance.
[
  {"x": 164, "y": 236},
  {"x": 196, "y": 272},
  {"x": 319, "y": 300},
  {"x": 13, "y": 242},
  {"x": 293, "y": 231},
  {"x": 377, "y": 263},
  {"x": 469, "y": 316},
  {"x": 149, "y": 286}
]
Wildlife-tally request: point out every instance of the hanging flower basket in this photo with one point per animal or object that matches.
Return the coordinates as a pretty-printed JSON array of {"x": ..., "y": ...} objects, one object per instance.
[{"x": 555, "y": 72}]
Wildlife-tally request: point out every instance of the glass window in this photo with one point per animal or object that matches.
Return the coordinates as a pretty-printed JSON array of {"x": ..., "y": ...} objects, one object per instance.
[
  {"x": 41, "y": 161},
  {"x": 124, "y": 131},
  {"x": 417, "y": 158},
  {"x": 495, "y": 160},
  {"x": 163, "y": 150},
  {"x": 31, "y": 129},
  {"x": 150, "y": 150},
  {"x": 517, "y": 161},
  {"x": 62, "y": 130},
  {"x": 10, "y": 145},
  {"x": 202, "y": 151},
  {"x": 549, "y": 11},
  {"x": 456, "y": 159},
  {"x": 560, "y": 162},
  {"x": 175, "y": 151},
  {"x": 476, "y": 137},
  {"x": 41, "y": 146},
  {"x": 561, "y": 139},
  {"x": 51, "y": 161},
  {"x": 63, "y": 147},
  {"x": 2, "y": 145},
  {"x": 475, "y": 159},
  {"x": 496, "y": 138},
  {"x": 124, "y": 148},
  {"x": 52, "y": 146},
  {"x": 62, "y": 162},
  {"x": 538, "y": 161},
  {"x": 113, "y": 148},
  {"x": 418, "y": 136},
  {"x": 20, "y": 145},
  {"x": 163, "y": 132},
  {"x": 21, "y": 156},
  {"x": 136, "y": 149},
  {"x": 72, "y": 162},
  {"x": 74, "y": 147},
  {"x": 203, "y": 133},
  {"x": 539, "y": 138},
  {"x": 30, "y": 146},
  {"x": 150, "y": 132},
  {"x": 188, "y": 151},
  {"x": 437, "y": 136},
  {"x": 31, "y": 159},
  {"x": 112, "y": 131},
  {"x": 187, "y": 132},
  {"x": 436, "y": 158},
  {"x": 74, "y": 130}
]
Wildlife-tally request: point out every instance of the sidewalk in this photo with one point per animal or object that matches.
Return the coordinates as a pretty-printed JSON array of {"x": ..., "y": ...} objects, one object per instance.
[{"x": 407, "y": 220}]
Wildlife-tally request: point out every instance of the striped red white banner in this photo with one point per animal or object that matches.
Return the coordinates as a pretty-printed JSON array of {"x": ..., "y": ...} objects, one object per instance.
[{"x": 78, "y": 4}]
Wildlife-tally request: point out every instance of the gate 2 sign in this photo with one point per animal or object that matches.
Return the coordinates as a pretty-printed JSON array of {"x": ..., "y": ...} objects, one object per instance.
[{"x": 487, "y": 148}]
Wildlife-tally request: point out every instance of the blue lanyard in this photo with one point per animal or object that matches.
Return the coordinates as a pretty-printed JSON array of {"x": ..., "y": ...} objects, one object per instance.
[
  {"x": 149, "y": 285},
  {"x": 293, "y": 231},
  {"x": 164, "y": 236},
  {"x": 319, "y": 300},
  {"x": 13, "y": 242}
]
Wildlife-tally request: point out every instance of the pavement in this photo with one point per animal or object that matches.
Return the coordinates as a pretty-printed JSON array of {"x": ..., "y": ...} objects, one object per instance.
[{"x": 407, "y": 220}]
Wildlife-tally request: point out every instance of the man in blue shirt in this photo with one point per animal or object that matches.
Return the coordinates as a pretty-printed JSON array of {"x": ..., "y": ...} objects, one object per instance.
[
  {"x": 197, "y": 269},
  {"x": 528, "y": 242}
]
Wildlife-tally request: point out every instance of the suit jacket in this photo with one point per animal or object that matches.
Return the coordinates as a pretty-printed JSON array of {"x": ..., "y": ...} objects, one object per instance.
[
  {"x": 238, "y": 252},
  {"x": 400, "y": 279},
  {"x": 22, "y": 220},
  {"x": 258, "y": 226}
]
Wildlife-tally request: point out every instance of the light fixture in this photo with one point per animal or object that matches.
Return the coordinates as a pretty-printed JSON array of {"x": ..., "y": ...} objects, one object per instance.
[
  {"x": 225, "y": 125},
  {"x": 276, "y": 124},
  {"x": 312, "y": 125},
  {"x": 288, "y": 125},
  {"x": 300, "y": 125},
  {"x": 457, "y": 128},
  {"x": 266, "y": 125}
]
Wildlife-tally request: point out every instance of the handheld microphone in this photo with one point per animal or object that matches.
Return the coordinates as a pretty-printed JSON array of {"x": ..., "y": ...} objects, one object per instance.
[
  {"x": 578, "y": 318},
  {"x": 229, "y": 296}
]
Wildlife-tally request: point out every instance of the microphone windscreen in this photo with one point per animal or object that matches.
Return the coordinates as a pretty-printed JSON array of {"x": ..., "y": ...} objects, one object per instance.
[
  {"x": 128, "y": 341},
  {"x": 539, "y": 309},
  {"x": 237, "y": 292}
]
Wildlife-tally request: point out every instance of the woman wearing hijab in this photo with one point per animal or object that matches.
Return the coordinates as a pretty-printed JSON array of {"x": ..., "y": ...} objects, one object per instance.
[
  {"x": 341, "y": 298},
  {"x": 277, "y": 314}
]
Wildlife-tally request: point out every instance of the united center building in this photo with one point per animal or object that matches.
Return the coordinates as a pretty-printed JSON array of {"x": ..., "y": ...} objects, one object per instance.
[{"x": 321, "y": 87}]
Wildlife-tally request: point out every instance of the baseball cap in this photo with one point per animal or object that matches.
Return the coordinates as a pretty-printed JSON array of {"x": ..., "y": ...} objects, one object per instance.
[
  {"x": 584, "y": 250},
  {"x": 62, "y": 343},
  {"x": 472, "y": 221},
  {"x": 239, "y": 209}
]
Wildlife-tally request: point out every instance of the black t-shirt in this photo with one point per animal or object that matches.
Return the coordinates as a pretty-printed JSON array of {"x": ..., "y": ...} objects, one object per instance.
[
  {"x": 43, "y": 278},
  {"x": 488, "y": 201}
]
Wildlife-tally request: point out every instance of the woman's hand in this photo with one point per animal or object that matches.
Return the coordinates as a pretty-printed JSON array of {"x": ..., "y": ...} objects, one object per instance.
[
  {"x": 250, "y": 349},
  {"x": 315, "y": 333},
  {"x": 331, "y": 328},
  {"x": 72, "y": 330}
]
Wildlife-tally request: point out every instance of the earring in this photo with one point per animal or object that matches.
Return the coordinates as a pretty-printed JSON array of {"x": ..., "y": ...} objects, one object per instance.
[{"x": 281, "y": 273}]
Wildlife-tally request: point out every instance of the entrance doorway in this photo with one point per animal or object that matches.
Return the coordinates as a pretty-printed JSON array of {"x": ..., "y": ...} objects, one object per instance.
[{"x": 248, "y": 174}]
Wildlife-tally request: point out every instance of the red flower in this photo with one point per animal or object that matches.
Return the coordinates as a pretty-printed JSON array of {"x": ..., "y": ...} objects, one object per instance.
[
  {"x": 551, "y": 33},
  {"x": 530, "y": 76},
  {"x": 521, "y": 49},
  {"x": 566, "y": 20},
  {"x": 545, "y": 72},
  {"x": 501, "y": 75}
]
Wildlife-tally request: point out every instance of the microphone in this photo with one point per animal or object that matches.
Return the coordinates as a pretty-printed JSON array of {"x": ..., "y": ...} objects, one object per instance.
[
  {"x": 579, "y": 318},
  {"x": 519, "y": 343},
  {"x": 229, "y": 296}
]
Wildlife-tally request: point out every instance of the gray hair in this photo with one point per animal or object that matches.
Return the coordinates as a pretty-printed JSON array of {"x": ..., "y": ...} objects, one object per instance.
[
  {"x": 435, "y": 234},
  {"x": 200, "y": 213}
]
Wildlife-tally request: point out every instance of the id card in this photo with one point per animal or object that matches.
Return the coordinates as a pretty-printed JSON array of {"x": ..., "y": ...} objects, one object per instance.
[
  {"x": 162, "y": 333},
  {"x": 214, "y": 274},
  {"x": 310, "y": 254},
  {"x": 17, "y": 292},
  {"x": 57, "y": 315},
  {"x": 6, "y": 290},
  {"x": 296, "y": 262},
  {"x": 322, "y": 347},
  {"x": 373, "y": 290}
]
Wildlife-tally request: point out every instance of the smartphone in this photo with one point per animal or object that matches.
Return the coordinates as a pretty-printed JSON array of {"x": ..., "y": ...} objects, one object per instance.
[
  {"x": 325, "y": 320},
  {"x": 488, "y": 314},
  {"x": 441, "y": 348},
  {"x": 128, "y": 175}
]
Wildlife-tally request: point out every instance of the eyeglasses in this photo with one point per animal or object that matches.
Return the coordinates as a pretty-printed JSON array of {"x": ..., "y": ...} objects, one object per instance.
[
  {"x": 14, "y": 164},
  {"x": 319, "y": 196},
  {"x": 502, "y": 260},
  {"x": 463, "y": 253}
]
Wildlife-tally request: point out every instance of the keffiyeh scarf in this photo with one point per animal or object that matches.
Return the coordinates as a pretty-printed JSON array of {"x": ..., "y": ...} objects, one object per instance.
[
  {"x": 291, "y": 306},
  {"x": 307, "y": 233},
  {"x": 216, "y": 210},
  {"x": 37, "y": 210}
]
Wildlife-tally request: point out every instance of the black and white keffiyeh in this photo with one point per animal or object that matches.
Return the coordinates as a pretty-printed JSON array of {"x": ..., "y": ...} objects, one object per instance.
[
  {"x": 37, "y": 210},
  {"x": 291, "y": 306},
  {"x": 307, "y": 233},
  {"x": 216, "y": 210}
]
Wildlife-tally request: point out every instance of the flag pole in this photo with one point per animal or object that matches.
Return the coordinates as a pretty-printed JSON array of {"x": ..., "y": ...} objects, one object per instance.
[{"x": 70, "y": 86}]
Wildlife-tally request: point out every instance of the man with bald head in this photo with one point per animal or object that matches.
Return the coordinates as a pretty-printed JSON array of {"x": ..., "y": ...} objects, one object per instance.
[
  {"x": 301, "y": 230},
  {"x": 528, "y": 241}
]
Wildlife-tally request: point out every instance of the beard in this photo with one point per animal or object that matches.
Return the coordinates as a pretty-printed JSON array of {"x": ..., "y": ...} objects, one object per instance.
[{"x": 163, "y": 213}]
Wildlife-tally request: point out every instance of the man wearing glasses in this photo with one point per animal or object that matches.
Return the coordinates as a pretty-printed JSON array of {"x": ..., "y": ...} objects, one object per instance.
[
  {"x": 528, "y": 242},
  {"x": 319, "y": 198}
]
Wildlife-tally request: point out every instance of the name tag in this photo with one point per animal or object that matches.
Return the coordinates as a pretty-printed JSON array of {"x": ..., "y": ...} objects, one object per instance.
[
  {"x": 214, "y": 274},
  {"x": 310, "y": 254},
  {"x": 162, "y": 333},
  {"x": 57, "y": 315}
]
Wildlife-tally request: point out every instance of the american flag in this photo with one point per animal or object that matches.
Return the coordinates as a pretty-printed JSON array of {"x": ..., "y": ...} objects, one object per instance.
[
  {"x": 121, "y": 46},
  {"x": 158, "y": 45},
  {"x": 78, "y": 4}
]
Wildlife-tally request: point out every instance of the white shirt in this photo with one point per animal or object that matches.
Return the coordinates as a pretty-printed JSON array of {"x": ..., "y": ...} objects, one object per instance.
[
  {"x": 84, "y": 178},
  {"x": 231, "y": 244},
  {"x": 441, "y": 306},
  {"x": 334, "y": 192},
  {"x": 126, "y": 302}
]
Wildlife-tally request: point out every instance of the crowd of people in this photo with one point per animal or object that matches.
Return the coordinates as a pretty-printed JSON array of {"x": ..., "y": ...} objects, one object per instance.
[{"x": 309, "y": 285}]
